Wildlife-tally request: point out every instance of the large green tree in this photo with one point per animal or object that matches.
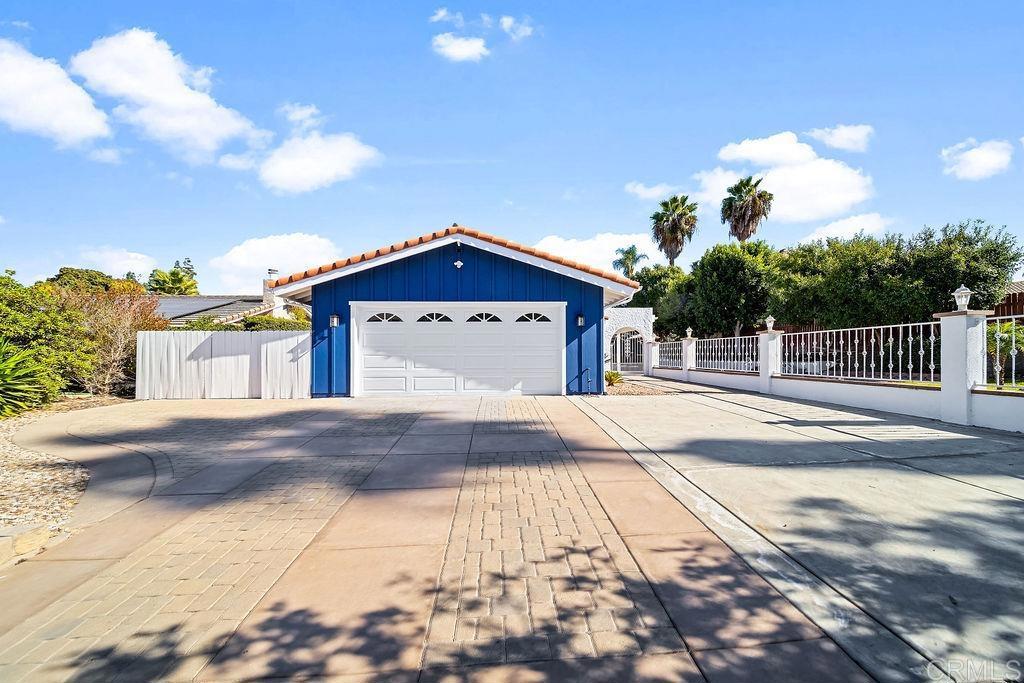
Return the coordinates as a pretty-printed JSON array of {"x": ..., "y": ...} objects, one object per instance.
[
  {"x": 655, "y": 282},
  {"x": 673, "y": 225},
  {"x": 81, "y": 279},
  {"x": 877, "y": 281},
  {"x": 745, "y": 207},
  {"x": 628, "y": 259},
  {"x": 173, "y": 281},
  {"x": 729, "y": 288}
]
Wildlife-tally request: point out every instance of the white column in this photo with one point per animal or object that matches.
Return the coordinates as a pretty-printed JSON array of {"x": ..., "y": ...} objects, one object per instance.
[
  {"x": 689, "y": 355},
  {"x": 962, "y": 353},
  {"x": 769, "y": 349},
  {"x": 651, "y": 353}
]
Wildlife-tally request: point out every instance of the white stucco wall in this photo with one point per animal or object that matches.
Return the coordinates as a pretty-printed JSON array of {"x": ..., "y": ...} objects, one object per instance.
[{"x": 617, "y": 318}]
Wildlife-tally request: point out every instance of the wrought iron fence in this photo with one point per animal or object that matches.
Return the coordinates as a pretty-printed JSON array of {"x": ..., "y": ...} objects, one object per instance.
[
  {"x": 1004, "y": 351},
  {"x": 890, "y": 353},
  {"x": 670, "y": 354},
  {"x": 727, "y": 353}
]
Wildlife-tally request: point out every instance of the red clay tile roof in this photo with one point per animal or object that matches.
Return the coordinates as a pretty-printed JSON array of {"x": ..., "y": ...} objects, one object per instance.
[{"x": 448, "y": 232}]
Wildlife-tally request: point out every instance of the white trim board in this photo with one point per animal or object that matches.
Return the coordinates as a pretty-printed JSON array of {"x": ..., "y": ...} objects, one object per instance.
[{"x": 303, "y": 288}]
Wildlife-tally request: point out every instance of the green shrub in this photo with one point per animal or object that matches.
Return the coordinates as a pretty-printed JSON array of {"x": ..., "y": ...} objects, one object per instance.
[
  {"x": 21, "y": 380},
  {"x": 267, "y": 322},
  {"x": 208, "y": 323},
  {"x": 34, "y": 318},
  {"x": 611, "y": 378}
]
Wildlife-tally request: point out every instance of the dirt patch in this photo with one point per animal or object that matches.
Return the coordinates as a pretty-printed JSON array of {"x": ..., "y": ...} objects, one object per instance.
[
  {"x": 37, "y": 488},
  {"x": 628, "y": 388}
]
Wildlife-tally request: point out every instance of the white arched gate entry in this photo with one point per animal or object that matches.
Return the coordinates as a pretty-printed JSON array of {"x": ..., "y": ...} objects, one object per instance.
[{"x": 626, "y": 351}]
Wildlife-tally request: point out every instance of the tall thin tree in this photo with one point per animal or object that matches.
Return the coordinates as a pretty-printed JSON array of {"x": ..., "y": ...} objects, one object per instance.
[
  {"x": 673, "y": 225},
  {"x": 628, "y": 259},
  {"x": 745, "y": 207}
]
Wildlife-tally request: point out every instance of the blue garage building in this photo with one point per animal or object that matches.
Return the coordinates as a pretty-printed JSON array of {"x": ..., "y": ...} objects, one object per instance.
[{"x": 457, "y": 311}]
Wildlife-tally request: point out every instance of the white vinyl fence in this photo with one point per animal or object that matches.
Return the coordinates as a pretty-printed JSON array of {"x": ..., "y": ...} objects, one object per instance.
[{"x": 272, "y": 364}]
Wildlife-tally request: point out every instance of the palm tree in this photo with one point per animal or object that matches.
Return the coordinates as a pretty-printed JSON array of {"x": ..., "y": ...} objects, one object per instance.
[
  {"x": 174, "y": 281},
  {"x": 628, "y": 258},
  {"x": 673, "y": 225},
  {"x": 745, "y": 207}
]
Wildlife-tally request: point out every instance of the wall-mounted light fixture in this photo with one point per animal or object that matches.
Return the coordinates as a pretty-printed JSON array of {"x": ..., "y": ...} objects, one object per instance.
[
  {"x": 580, "y": 320},
  {"x": 335, "y": 319},
  {"x": 458, "y": 252}
]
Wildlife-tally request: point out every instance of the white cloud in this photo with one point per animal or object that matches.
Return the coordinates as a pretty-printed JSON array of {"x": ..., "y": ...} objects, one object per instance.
[
  {"x": 815, "y": 190},
  {"x": 442, "y": 14},
  {"x": 516, "y": 29},
  {"x": 486, "y": 20},
  {"x": 244, "y": 267},
  {"x": 37, "y": 96},
  {"x": 713, "y": 186},
  {"x": 303, "y": 117},
  {"x": 806, "y": 187},
  {"x": 237, "y": 162},
  {"x": 599, "y": 251},
  {"x": 18, "y": 23},
  {"x": 868, "y": 223},
  {"x": 973, "y": 160},
  {"x": 2, "y": 220},
  {"x": 162, "y": 95},
  {"x": 314, "y": 161},
  {"x": 458, "y": 49},
  {"x": 106, "y": 155},
  {"x": 117, "y": 261},
  {"x": 650, "y": 192},
  {"x": 774, "y": 150},
  {"x": 852, "y": 138}
]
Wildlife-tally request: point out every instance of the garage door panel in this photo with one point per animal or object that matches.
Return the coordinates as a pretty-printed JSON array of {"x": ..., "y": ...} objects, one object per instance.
[
  {"x": 428, "y": 384},
  {"x": 524, "y": 362},
  {"x": 495, "y": 383},
  {"x": 492, "y": 362},
  {"x": 376, "y": 360},
  {"x": 441, "y": 362},
  {"x": 389, "y": 384}
]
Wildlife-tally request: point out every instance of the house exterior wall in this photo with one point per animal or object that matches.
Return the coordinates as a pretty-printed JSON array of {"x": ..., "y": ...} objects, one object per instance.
[{"x": 432, "y": 276}]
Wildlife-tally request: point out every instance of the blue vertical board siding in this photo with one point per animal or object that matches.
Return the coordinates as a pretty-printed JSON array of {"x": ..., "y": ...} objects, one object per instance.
[{"x": 432, "y": 276}]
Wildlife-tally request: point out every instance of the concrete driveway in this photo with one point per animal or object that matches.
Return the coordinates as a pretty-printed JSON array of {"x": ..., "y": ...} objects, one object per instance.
[
  {"x": 904, "y": 538},
  {"x": 400, "y": 540}
]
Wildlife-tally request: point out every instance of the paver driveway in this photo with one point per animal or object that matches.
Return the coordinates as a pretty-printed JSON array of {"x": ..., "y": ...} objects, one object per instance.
[
  {"x": 437, "y": 539},
  {"x": 915, "y": 526}
]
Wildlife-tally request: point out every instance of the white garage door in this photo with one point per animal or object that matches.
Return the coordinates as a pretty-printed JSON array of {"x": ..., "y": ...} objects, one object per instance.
[{"x": 446, "y": 348}]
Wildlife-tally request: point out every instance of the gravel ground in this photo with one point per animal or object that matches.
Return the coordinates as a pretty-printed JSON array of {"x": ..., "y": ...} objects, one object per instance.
[
  {"x": 36, "y": 488},
  {"x": 628, "y": 388}
]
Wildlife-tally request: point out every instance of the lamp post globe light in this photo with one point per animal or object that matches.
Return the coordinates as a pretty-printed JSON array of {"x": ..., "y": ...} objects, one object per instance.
[
  {"x": 770, "y": 322},
  {"x": 962, "y": 296}
]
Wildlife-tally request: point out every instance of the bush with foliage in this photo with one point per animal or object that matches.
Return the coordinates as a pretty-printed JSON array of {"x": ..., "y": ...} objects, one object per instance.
[
  {"x": 655, "y": 282},
  {"x": 871, "y": 281},
  {"x": 21, "y": 380},
  {"x": 840, "y": 283},
  {"x": 1005, "y": 342},
  {"x": 113, "y": 319},
  {"x": 34, "y": 319},
  {"x": 298, "y": 319},
  {"x": 611, "y": 378},
  {"x": 729, "y": 288}
]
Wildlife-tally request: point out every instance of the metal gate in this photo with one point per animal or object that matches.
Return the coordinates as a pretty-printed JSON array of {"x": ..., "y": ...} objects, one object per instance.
[{"x": 626, "y": 353}]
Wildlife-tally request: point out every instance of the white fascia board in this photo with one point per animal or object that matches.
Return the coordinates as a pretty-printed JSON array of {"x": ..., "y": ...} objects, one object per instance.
[{"x": 613, "y": 291}]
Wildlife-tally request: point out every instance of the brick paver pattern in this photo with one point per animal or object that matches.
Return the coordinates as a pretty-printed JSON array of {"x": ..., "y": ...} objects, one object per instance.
[
  {"x": 534, "y": 570},
  {"x": 511, "y": 416},
  {"x": 165, "y": 608}
]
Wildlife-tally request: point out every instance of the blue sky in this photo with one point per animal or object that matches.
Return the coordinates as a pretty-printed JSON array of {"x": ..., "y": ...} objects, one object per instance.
[{"x": 286, "y": 134}]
